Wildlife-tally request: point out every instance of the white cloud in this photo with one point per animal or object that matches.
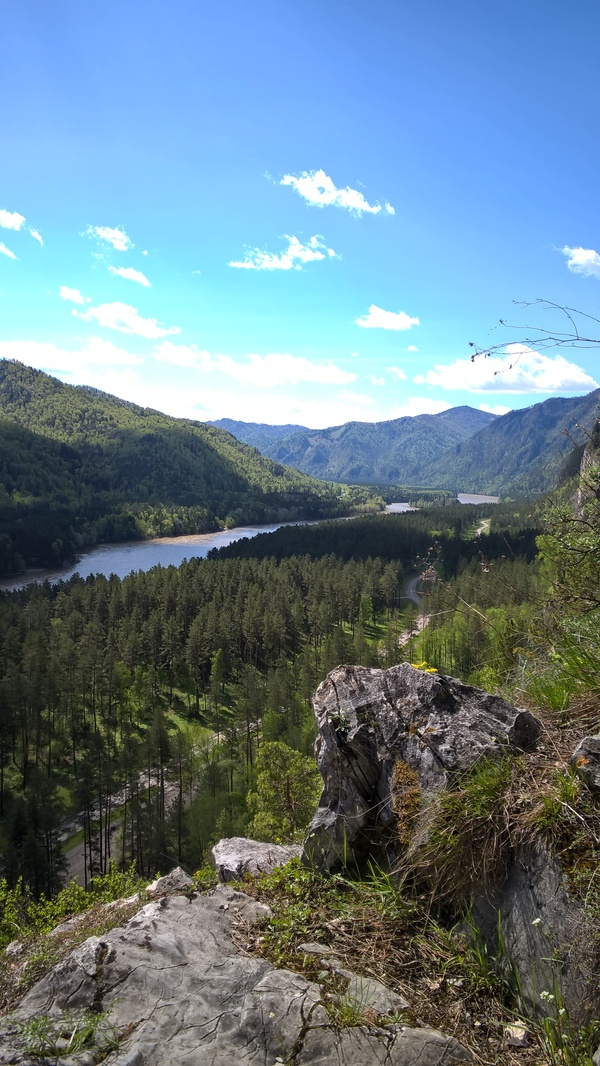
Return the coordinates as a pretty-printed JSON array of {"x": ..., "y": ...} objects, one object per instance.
[
  {"x": 522, "y": 370},
  {"x": 583, "y": 261},
  {"x": 377, "y": 381},
  {"x": 6, "y": 251},
  {"x": 420, "y": 405},
  {"x": 412, "y": 348},
  {"x": 73, "y": 295},
  {"x": 298, "y": 407},
  {"x": 377, "y": 318},
  {"x": 262, "y": 371},
  {"x": 317, "y": 188},
  {"x": 126, "y": 319},
  {"x": 294, "y": 256},
  {"x": 115, "y": 236},
  {"x": 46, "y": 356},
  {"x": 397, "y": 371},
  {"x": 355, "y": 398},
  {"x": 497, "y": 409},
  {"x": 131, "y": 275},
  {"x": 11, "y": 219},
  {"x": 36, "y": 235}
]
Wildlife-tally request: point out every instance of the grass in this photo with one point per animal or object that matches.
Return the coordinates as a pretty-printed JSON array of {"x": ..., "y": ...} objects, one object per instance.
[{"x": 377, "y": 928}]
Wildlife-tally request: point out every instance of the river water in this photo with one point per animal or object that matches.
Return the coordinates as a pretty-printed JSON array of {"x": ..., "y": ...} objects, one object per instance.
[{"x": 121, "y": 559}]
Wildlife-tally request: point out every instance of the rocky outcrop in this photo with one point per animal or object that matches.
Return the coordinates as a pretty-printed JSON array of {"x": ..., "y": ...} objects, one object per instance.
[
  {"x": 547, "y": 940},
  {"x": 233, "y": 857},
  {"x": 370, "y": 720},
  {"x": 586, "y": 762},
  {"x": 178, "y": 991}
]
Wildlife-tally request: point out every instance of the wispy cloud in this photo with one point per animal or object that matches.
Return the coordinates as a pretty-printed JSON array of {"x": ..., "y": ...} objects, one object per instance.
[
  {"x": 412, "y": 348},
  {"x": 73, "y": 295},
  {"x": 115, "y": 236},
  {"x": 377, "y": 381},
  {"x": 318, "y": 189},
  {"x": 126, "y": 319},
  {"x": 262, "y": 371},
  {"x": 497, "y": 409},
  {"x": 582, "y": 261},
  {"x": 396, "y": 372},
  {"x": 532, "y": 372},
  {"x": 131, "y": 275},
  {"x": 47, "y": 356},
  {"x": 377, "y": 318},
  {"x": 293, "y": 258},
  {"x": 6, "y": 251},
  {"x": 11, "y": 219}
]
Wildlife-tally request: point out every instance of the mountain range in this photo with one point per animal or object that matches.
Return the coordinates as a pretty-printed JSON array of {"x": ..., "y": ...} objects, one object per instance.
[
  {"x": 395, "y": 451},
  {"x": 462, "y": 448}
]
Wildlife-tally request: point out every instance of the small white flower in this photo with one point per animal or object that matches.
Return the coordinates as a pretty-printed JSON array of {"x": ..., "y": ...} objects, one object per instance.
[
  {"x": 537, "y": 921},
  {"x": 547, "y": 996},
  {"x": 562, "y": 1011}
]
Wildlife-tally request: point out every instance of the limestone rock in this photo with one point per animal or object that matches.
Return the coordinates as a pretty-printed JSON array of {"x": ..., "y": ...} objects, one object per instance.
[
  {"x": 548, "y": 937},
  {"x": 586, "y": 762},
  {"x": 176, "y": 881},
  {"x": 369, "y": 719},
  {"x": 235, "y": 856},
  {"x": 367, "y": 993},
  {"x": 180, "y": 992}
]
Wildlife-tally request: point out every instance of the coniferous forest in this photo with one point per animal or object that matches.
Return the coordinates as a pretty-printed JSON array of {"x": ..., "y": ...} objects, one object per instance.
[{"x": 143, "y": 718}]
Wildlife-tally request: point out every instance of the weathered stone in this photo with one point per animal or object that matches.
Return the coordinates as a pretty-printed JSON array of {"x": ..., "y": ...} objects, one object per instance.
[
  {"x": 586, "y": 762},
  {"x": 312, "y": 948},
  {"x": 176, "y": 881},
  {"x": 548, "y": 939},
  {"x": 180, "y": 992},
  {"x": 367, "y": 993},
  {"x": 596, "y": 1058},
  {"x": 369, "y": 719},
  {"x": 235, "y": 856}
]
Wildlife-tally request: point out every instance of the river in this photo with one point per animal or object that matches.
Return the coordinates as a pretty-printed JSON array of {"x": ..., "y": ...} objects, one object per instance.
[{"x": 121, "y": 559}]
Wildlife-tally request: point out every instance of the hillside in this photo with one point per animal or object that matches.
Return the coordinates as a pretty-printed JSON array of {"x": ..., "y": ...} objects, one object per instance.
[
  {"x": 259, "y": 434},
  {"x": 79, "y": 467},
  {"x": 521, "y": 452},
  {"x": 369, "y": 452}
]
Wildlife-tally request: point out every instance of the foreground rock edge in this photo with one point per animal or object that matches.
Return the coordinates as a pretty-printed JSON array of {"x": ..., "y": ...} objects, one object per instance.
[{"x": 179, "y": 991}]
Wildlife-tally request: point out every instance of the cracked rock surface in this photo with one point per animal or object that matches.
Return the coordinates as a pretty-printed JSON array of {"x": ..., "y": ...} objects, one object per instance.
[
  {"x": 233, "y": 857},
  {"x": 369, "y": 719},
  {"x": 181, "y": 993}
]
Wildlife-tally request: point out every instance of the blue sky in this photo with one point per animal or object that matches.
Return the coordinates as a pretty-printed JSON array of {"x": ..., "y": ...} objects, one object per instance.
[{"x": 299, "y": 212}]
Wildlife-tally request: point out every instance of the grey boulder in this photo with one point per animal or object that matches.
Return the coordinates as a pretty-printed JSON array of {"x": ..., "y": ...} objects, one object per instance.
[
  {"x": 586, "y": 762},
  {"x": 233, "y": 857},
  {"x": 179, "y": 991},
  {"x": 369, "y": 719}
]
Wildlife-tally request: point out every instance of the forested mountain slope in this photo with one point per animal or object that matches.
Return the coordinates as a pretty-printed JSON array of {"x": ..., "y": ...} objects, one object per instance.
[
  {"x": 372, "y": 452},
  {"x": 520, "y": 452},
  {"x": 259, "y": 434},
  {"x": 78, "y": 466}
]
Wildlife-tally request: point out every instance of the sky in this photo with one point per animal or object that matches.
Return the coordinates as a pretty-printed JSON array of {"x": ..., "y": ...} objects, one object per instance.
[{"x": 291, "y": 211}]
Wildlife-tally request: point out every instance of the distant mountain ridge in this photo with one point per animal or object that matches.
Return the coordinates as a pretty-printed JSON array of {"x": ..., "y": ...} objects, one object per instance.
[
  {"x": 464, "y": 449},
  {"x": 371, "y": 452},
  {"x": 520, "y": 452}
]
